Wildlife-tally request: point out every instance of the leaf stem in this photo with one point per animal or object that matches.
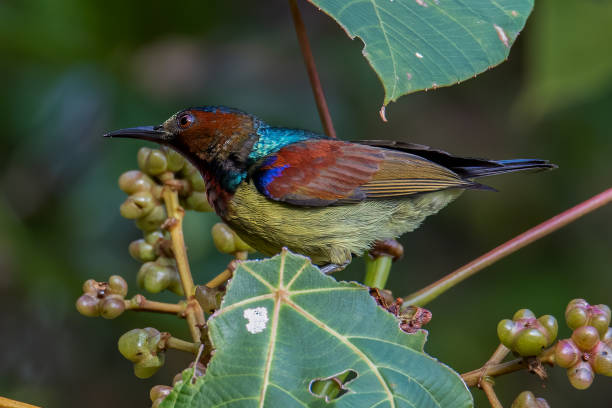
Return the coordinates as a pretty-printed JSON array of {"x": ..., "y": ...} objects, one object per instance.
[
  {"x": 182, "y": 345},
  {"x": 315, "y": 83},
  {"x": 140, "y": 303},
  {"x": 429, "y": 293},
  {"x": 377, "y": 271}
]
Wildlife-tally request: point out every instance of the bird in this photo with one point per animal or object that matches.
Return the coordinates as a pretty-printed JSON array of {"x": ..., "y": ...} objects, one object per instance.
[{"x": 324, "y": 198}]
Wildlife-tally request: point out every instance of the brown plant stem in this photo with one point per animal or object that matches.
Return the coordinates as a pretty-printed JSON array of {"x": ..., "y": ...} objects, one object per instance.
[
  {"x": 487, "y": 387},
  {"x": 9, "y": 403},
  {"x": 473, "y": 378},
  {"x": 140, "y": 303},
  {"x": 227, "y": 274},
  {"x": 315, "y": 83},
  {"x": 429, "y": 293}
]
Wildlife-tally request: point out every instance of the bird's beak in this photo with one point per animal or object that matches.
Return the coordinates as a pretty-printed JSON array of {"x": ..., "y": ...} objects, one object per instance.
[{"x": 152, "y": 133}]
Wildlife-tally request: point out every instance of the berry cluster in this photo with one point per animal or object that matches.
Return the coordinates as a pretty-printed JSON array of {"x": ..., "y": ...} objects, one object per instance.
[
  {"x": 142, "y": 347},
  {"x": 106, "y": 299},
  {"x": 158, "y": 168},
  {"x": 527, "y": 335},
  {"x": 526, "y": 399},
  {"x": 589, "y": 349}
]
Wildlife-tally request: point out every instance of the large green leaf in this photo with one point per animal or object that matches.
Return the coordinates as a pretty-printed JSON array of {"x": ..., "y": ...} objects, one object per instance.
[
  {"x": 423, "y": 44},
  {"x": 283, "y": 324}
]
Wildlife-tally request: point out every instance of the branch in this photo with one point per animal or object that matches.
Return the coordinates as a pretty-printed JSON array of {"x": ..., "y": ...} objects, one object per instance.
[
  {"x": 140, "y": 304},
  {"x": 432, "y": 291},
  {"x": 473, "y": 378},
  {"x": 315, "y": 83},
  {"x": 487, "y": 387}
]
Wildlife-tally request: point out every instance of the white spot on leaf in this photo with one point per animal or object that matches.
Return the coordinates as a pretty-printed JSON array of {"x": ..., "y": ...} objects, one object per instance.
[
  {"x": 418, "y": 54},
  {"x": 514, "y": 13},
  {"x": 422, "y": 3},
  {"x": 502, "y": 35},
  {"x": 409, "y": 75},
  {"x": 258, "y": 319}
]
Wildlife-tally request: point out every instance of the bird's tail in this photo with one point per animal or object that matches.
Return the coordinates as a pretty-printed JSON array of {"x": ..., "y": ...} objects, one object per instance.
[{"x": 494, "y": 167}]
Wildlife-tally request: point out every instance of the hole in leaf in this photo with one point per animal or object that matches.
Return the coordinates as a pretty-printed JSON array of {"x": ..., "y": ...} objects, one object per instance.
[{"x": 332, "y": 387}]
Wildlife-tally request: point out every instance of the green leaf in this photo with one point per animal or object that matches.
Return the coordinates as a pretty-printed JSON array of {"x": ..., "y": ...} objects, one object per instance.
[
  {"x": 282, "y": 325},
  {"x": 424, "y": 44}
]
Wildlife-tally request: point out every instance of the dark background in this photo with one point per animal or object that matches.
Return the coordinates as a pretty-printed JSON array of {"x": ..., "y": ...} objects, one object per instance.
[{"x": 72, "y": 70}]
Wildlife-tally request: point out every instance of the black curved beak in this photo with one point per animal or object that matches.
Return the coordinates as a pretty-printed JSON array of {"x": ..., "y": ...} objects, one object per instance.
[{"x": 152, "y": 133}]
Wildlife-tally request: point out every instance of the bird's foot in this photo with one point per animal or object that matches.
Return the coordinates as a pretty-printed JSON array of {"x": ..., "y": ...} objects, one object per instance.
[
  {"x": 331, "y": 268},
  {"x": 389, "y": 247}
]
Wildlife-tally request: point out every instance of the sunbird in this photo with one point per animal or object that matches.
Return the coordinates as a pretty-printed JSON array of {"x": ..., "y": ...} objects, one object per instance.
[{"x": 325, "y": 198}]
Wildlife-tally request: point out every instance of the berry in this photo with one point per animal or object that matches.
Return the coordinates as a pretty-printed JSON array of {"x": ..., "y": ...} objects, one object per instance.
[
  {"x": 227, "y": 241},
  {"x": 112, "y": 306},
  {"x": 175, "y": 161},
  {"x": 152, "y": 220},
  {"x": 601, "y": 359},
  {"x": 118, "y": 285},
  {"x": 523, "y": 314},
  {"x": 530, "y": 342},
  {"x": 198, "y": 201},
  {"x": 137, "y": 205},
  {"x": 567, "y": 353},
  {"x": 140, "y": 347},
  {"x": 133, "y": 181},
  {"x": 525, "y": 334},
  {"x": 581, "y": 375},
  {"x": 585, "y": 337},
  {"x": 154, "y": 277},
  {"x": 579, "y": 313},
  {"x": 142, "y": 251},
  {"x": 87, "y": 305},
  {"x": 152, "y": 237},
  {"x": 526, "y": 399},
  {"x": 91, "y": 286}
]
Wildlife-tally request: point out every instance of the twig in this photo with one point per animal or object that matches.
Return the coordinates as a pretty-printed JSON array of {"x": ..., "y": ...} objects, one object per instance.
[
  {"x": 9, "y": 403},
  {"x": 432, "y": 291},
  {"x": 175, "y": 225},
  {"x": 140, "y": 303},
  {"x": 473, "y": 378},
  {"x": 315, "y": 83},
  {"x": 182, "y": 345},
  {"x": 377, "y": 271},
  {"x": 487, "y": 387}
]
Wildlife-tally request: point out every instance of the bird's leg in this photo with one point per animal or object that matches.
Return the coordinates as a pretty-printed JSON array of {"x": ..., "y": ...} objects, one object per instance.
[
  {"x": 389, "y": 247},
  {"x": 331, "y": 268}
]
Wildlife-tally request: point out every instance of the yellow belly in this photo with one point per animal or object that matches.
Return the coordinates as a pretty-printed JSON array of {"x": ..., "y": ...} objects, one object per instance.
[{"x": 327, "y": 234}]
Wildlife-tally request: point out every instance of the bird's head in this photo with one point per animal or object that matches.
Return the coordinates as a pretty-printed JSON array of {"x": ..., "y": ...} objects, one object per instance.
[{"x": 203, "y": 135}]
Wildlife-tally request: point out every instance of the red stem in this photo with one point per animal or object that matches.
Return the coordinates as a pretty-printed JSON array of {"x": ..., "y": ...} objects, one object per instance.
[
  {"x": 315, "y": 83},
  {"x": 430, "y": 292}
]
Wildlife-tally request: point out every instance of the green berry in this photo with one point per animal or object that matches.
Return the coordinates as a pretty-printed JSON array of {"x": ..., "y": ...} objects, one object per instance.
[
  {"x": 552, "y": 327},
  {"x": 576, "y": 317},
  {"x": 208, "y": 298},
  {"x": 601, "y": 359},
  {"x": 88, "y": 305},
  {"x": 154, "y": 277},
  {"x": 526, "y": 399},
  {"x": 581, "y": 375},
  {"x": 156, "y": 163},
  {"x": 600, "y": 318},
  {"x": 143, "y": 154},
  {"x": 140, "y": 347},
  {"x": 195, "y": 178},
  {"x": 112, "y": 306},
  {"x": 198, "y": 201},
  {"x": 153, "y": 236},
  {"x": 137, "y": 205},
  {"x": 149, "y": 366},
  {"x": 585, "y": 337},
  {"x": 505, "y": 332},
  {"x": 607, "y": 337},
  {"x": 159, "y": 392},
  {"x": 134, "y": 180},
  {"x": 118, "y": 285},
  {"x": 175, "y": 160},
  {"x": 529, "y": 342},
  {"x": 223, "y": 238},
  {"x": 153, "y": 220},
  {"x": 142, "y": 251},
  {"x": 523, "y": 314},
  {"x": 567, "y": 353}
]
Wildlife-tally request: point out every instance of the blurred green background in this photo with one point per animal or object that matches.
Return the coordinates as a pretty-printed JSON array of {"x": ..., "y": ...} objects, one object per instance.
[{"x": 72, "y": 70}]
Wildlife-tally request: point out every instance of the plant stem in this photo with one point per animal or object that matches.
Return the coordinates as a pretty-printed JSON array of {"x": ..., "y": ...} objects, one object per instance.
[
  {"x": 175, "y": 226},
  {"x": 429, "y": 293},
  {"x": 487, "y": 387},
  {"x": 182, "y": 345},
  {"x": 315, "y": 83},
  {"x": 9, "y": 403},
  {"x": 377, "y": 271},
  {"x": 140, "y": 303},
  {"x": 473, "y": 378}
]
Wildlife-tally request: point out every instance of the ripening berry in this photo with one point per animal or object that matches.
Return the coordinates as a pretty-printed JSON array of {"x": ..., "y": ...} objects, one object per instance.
[
  {"x": 118, "y": 285},
  {"x": 505, "y": 331},
  {"x": 175, "y": 160},
  {"x": 198, "y": 201},
  {"x": 579, "y": 313},
  {"x": 227, "y": 241},
  {"x": 152, "y": 220},
  {"x": 523, "y": 314},
  {"x": 529, "y": 342},
  {"x": 607, "y": 337},
  {"x": 526, "y": 399},
  {"x": 159, "y": 392},
  {"x": 567, "y": 353},
  {"x": 137, "y": 205},
  {"x": 153, "y": 236},
  {"x": 154, "y": 277},
  {"x": 90, "y": 286},
  {"x": 88, "y": 305},
  {"x": 585, "y": 337},
  {"x": 581, "y": 375},
  {"x": 525, "y": 334},
  {"x": 112, "y": 306},
  {"x": 550, "y": 323},
  {"x": 601, "y": 359},
  {"x": 140, "y": 347},
  {"x": 142, "y": 251},
  {"x": 133, "y": 181}
]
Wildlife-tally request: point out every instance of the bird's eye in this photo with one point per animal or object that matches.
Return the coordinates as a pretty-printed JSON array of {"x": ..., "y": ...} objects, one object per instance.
[{"x": 185, "y": 120}]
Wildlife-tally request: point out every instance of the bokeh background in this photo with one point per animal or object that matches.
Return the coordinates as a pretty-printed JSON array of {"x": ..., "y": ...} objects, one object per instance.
[{"x": 72, "y": 70}]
